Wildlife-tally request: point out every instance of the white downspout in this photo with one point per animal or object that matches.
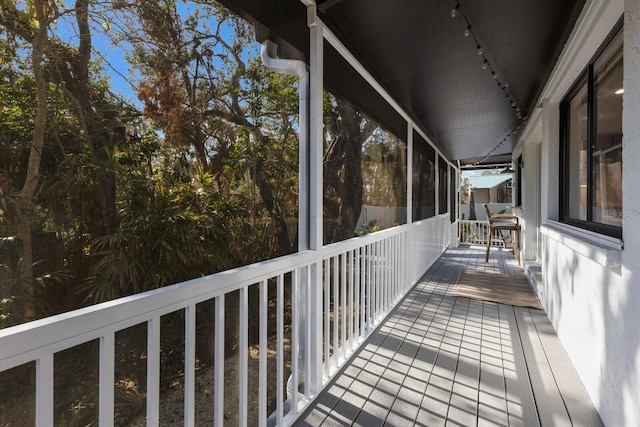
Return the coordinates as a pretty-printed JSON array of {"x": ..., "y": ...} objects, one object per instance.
[{"x": 298, "y": 68}]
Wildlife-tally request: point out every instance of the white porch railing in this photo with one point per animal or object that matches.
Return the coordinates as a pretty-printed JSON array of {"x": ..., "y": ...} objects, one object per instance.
[
  {"x": 361, "y": 280},
  {"x": 476, "y": 232}
]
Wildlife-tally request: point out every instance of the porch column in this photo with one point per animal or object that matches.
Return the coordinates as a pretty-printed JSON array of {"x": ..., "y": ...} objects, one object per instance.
[
  {"x": 315, "y": 195},
  {"x": 409, "y": 172}
]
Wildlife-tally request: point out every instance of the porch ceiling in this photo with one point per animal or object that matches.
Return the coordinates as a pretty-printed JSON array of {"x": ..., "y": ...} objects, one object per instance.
[{"x": 420, "y": 54}]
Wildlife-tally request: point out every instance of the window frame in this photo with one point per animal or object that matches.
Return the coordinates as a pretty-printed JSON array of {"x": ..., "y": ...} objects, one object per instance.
[
  {"x": 519, "y": 177},
  {"x": 443, "y": 185},
  {"x": 423, "y": 154},
  {"x": 452, "y": 194},
  {"x": 588, "y": 78}
]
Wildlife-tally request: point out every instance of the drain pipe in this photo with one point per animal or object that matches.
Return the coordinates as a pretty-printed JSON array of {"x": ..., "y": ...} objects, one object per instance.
[{"x": 298, "y": 68}]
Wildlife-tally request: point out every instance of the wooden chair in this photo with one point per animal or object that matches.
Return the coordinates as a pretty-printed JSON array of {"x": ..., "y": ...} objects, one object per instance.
[{"x": 503, "y": 222}]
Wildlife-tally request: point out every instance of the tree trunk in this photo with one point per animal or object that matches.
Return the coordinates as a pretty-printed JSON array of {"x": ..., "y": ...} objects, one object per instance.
[
  {"x": 352, "y": 173},
  {"x": 23, "y": 203}
]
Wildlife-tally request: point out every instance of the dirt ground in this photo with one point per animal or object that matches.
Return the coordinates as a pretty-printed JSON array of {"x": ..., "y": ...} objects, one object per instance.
[{"x": 172, "y": 402}]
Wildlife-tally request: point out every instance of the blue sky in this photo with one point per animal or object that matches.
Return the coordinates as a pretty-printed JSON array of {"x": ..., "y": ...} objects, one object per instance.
[{"x": 113, "y": 55}]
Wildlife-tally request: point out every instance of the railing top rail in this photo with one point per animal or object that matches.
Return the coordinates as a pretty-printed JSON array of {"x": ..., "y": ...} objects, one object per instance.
[
  {"x": 359, "y": 241},
  {"x": 66, "y": 330},
  {"x": 29, "y": 341}
]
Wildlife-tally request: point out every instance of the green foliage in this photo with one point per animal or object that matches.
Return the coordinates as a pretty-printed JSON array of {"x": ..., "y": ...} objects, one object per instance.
[
  {"x": 199, "y": 175},
  {"x": 370, "y": 227},
  {"x": 172, "y": 224}
]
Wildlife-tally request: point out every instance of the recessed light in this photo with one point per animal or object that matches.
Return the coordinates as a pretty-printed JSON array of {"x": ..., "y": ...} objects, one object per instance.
[{"x": 619, "y": 92}]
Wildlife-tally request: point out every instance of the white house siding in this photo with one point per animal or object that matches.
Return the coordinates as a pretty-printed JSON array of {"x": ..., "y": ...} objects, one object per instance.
[
  {"x": 427, "y": 242},
  {"x": 590, "y": 285}
]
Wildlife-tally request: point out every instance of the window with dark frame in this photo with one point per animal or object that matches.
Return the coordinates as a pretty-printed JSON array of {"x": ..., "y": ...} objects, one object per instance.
[
  {"x": 453, "y": 193},
  {"x": 591, "y": 144},
  {"x": 443, "y": 183},
  {"x": 519, "y": 167},
  {"x": 424, "y": 179}
]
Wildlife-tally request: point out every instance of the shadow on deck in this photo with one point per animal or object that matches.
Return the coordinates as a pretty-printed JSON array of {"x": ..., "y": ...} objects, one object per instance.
[{"x": 444, "y": 360}]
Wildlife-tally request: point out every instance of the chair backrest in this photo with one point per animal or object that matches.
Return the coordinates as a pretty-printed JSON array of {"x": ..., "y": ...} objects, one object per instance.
[{"x": 486, "y": 211}]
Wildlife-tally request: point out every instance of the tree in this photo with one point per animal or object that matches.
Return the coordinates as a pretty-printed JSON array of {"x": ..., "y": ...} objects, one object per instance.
[
  {"x": 363, "y": 163},
  {"x": 20, "y": 205},
  {"x": 206, "y": 93},
  {"x": 346, "y": 130},
  {"x": 63, "y": 73},
  {"x": 465, "y": 190}
]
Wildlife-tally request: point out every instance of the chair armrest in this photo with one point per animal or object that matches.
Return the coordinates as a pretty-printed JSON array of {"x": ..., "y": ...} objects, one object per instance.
[{"x": 502, "y": 217}]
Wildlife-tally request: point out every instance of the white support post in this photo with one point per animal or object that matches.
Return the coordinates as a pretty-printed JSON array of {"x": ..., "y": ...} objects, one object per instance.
[
  {"x": 357, "y": 286},
  {"x": 218, "y": 361},
  {"x": 292, "y": 387},
  {"x": 336, "y": 309},
  {"x": 279, "y": 349},
  {"x": 409, "y": 172},
  {"x": 307, "y": 334},
  {"x": 189, "y": 365},
  {"x": 327, "y": 324},
  {"x": 315, "y": 152},
  {"x": 262, "y": 387},
  {"x": 352, "y": 258},
  {"x": 243, "y": 350},
  {"x": 362, "y": 309},
  {"x": 343, "y": 305},
  {"x": 369, "y": 281},
  {"x": 437, "y": 186},
  {"x": 107, "y": 379},
  {"x": 153, "y": 371},
  {"x": 44, "y": 391}
]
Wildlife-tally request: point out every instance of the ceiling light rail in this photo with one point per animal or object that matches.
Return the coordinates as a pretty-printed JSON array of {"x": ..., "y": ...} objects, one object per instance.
[
  {"x": 494, "y": 149},
  {"x": 486, "y": 65},
  {"x": 485, "y": 62}
]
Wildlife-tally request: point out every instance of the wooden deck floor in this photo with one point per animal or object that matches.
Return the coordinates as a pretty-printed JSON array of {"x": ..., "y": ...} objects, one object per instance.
[{"x": 442, "y": 360}]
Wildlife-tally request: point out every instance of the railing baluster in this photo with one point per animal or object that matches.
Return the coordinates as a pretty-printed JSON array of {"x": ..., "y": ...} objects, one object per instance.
[
  {"x": 376, "y": 261},
  {"x": 336, "y": 310},
  {"x": 392, "y": 271},
  {"x": 107, "y": 379},
  {"x": 327, "y": 309},
  {"x": 189, "y": 364},
  {"x": 378, "y": 281},
  {"x": 370, "y": 286},
  {"x": 279, "y": 348},
  {"x": 363, "y": 293},
  {"x": 44, "y": 391},
  {"x": 243, "y": 359},
  {"x": 218, "y": 384},
  {"x": 352, "y": 258},
  {"x": 382, "y": 269},
  {"x": 356, "y": 297},
  {"x": 387, "y": 269},
  {"x": 294, "y": 342},
  {"x": 262, "y": 399},
  {"x": 343, "y": 305},
  {"x": 397, "y": 267},
  {"x": 153, "y": 371},
  {"x": 407, "y": 275},
  {"x": 394, "y": 268},
  {"x": 307, "y": 333}
]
